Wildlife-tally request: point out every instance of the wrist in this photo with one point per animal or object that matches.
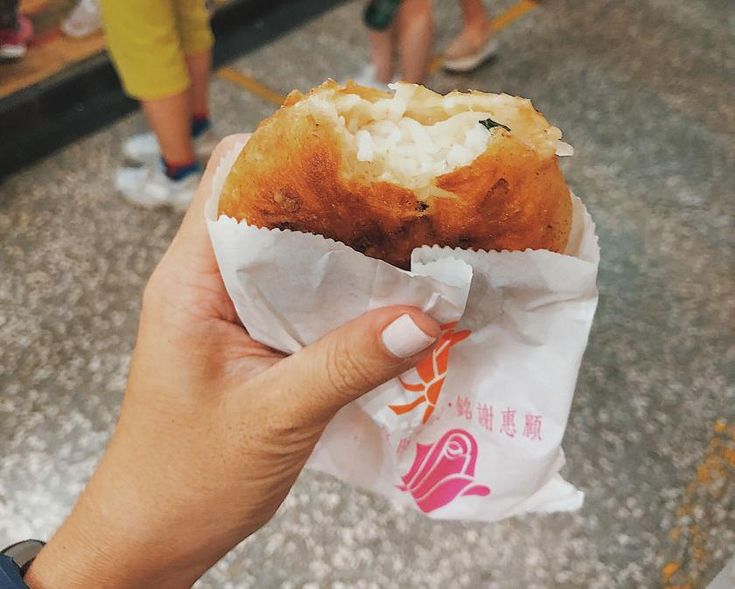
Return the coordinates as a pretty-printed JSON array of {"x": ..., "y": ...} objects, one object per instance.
[
  {"x": 111, "y": 540},
  {"x": 72, "y": 561},
  {"x": 69, "y": 562}
]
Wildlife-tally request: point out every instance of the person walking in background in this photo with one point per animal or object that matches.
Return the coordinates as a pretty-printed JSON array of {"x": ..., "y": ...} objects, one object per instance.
[
  {"x": 163, "y": 54},
  {"x": 16, "y": 31},
  {"x": 475, "y": 44},
  {"x": 405, "y": 27}
]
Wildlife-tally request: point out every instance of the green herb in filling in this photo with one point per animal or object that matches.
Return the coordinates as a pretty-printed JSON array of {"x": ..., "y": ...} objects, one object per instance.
[{"x": 489, "y": 124}]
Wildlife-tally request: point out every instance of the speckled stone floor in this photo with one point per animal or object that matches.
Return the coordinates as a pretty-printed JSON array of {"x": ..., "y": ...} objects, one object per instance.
[{"x": 643, "y": 90}]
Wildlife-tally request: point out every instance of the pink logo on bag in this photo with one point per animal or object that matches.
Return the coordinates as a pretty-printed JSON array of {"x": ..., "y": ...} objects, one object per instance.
[
  {"x": 432, "y": 371},
  {"x": 443, "y": 471}
]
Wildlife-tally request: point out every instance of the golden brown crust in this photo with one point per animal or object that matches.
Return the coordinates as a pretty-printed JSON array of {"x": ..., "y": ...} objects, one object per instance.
[
  {"x": 294, "y": 174},
  {"x": 509, "y": 199}
]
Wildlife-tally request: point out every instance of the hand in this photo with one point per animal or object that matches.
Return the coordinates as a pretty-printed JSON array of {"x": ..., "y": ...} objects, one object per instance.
[{"x": 214, "y": 427}]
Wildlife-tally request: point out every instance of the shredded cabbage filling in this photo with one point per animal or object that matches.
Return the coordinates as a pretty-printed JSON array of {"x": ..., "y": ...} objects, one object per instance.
[{"x": 416, "y": 135}]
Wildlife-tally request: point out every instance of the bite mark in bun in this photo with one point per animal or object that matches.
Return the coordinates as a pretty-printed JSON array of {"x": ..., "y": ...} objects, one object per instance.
[{"x": 386, "y": 173}]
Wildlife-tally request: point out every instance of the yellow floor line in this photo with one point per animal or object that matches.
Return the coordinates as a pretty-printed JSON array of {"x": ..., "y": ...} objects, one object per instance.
[
  {"x": 499, "y": 22},
  {"x": 513, "y": 13},
  {"x": 269, "y": 95},
  {"x": 693, "y": 542},
  {"x": 251, "y": 85}
]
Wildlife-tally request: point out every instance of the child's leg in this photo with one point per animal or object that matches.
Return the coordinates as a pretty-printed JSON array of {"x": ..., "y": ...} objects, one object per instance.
[
  {"x": 144, "y": 43},
  {"x": 200, "y": 66},
  {"x": 170, "y": 120},
  {"x": 196, "y": 41}
]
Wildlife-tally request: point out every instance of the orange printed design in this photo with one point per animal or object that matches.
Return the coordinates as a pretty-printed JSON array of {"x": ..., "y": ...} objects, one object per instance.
[{"x": 432, "y": 371}]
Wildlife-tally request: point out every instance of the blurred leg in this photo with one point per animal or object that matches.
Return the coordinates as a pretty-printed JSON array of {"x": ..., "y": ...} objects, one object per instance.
[
  {"x": 381, "y": 49},
  {"x": 200, "y": 66},
  {"x": 170, "y": 120},
  {"x": 474, "y": 16},
  {"x": 415, "y": 39},
  {"x": 192, "y": 22}
]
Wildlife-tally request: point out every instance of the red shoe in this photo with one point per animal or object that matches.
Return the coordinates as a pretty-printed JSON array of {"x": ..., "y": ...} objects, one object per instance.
[{"x": 14, "y": 42}]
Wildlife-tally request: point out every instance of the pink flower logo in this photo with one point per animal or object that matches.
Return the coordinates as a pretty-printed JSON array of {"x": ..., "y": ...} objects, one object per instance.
[{"x": 443, "y": 471}]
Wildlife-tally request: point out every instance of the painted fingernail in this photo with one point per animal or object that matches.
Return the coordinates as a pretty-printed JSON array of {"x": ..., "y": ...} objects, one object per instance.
[{"x": 404, "y": 338}]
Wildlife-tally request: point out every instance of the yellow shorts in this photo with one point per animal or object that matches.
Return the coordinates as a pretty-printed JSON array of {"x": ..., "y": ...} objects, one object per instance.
[{"x": 149, "y": 39}]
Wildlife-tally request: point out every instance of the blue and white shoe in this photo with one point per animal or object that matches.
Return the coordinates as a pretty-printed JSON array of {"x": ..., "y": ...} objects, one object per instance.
[{"x": 149, "y": 187}]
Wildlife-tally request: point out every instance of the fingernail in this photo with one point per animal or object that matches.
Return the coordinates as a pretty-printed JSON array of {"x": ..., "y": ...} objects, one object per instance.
[{"x": 404, "y": 338}]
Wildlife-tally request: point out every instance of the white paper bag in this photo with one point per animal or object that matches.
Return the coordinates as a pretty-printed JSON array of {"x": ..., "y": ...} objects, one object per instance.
[{"x": 474, "y": 432}]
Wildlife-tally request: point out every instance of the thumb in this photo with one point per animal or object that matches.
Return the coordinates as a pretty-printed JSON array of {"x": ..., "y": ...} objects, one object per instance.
[{"x": 320, "y": 379}]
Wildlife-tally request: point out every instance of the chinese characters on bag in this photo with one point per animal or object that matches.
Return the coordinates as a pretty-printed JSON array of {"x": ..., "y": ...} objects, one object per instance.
[{"x": 506, "y": 421}]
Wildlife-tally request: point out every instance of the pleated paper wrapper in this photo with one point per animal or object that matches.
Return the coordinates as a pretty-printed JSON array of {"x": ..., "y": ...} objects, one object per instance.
[{"x": 474, "y": 432}]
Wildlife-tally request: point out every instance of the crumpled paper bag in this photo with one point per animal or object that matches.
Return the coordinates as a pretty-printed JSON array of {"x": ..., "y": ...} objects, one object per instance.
[{"x": 474, "y": 432}]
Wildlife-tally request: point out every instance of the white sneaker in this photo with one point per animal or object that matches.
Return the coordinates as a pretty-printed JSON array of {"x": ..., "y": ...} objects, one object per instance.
[
  {"x": 143, "y": 148},
  {"x": 84, "y": 20},
  {"x": 149, "y": 187},
  {"x": 368, "y": 77}
]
